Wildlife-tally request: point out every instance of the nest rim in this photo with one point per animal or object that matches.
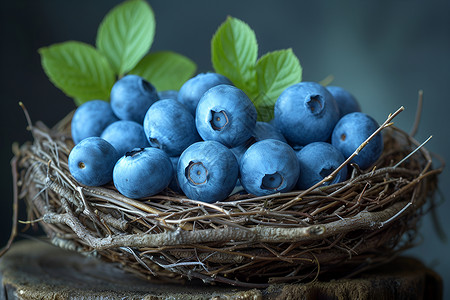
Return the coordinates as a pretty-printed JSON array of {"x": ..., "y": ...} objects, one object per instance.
[{"x": 60, "y": 222}]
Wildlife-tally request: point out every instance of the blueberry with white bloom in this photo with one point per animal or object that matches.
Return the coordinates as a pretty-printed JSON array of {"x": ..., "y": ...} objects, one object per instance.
[
  {"x": 240, "y": 150},
  {"x": 268, "y": 167},
  {"x": 131, "y": 96},
  {"x": 90, "y": 119},
  {"x": 264, "y": 131},
  {"x": 125, "y": 136},
  {"x": 92, "y": 160},
  {"x": 346, "y": 102},
  {"x": 318, "y": 160},
  {"x": 194, "y": 88},
  {"x": 142, "y": 172},
  {"x": 351, "y": 131},
  {"x": 225, "y": 114},
  {"x": 306, "y": 112},
  {"x": 169, "y": 126},
  {"x": 168, "y": 94},
  {"x": 207, "y": 171}
]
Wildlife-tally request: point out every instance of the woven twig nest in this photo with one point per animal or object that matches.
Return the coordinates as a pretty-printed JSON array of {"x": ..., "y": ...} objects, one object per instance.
[{"x": 244, "y": 240}]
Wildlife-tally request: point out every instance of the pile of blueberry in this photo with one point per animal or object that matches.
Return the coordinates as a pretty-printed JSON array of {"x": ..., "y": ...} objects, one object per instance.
[{"x": 205, "y": 141}]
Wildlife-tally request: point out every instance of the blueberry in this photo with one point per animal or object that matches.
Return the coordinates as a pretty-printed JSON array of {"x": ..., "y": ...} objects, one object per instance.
[
  {"x": 346, "y": 102},
  {"x": 225, "y": 114},
  {"x": 268, "y": 167},
  {"x": 90, "y": 119},
  {"x": 318, "y": 160},
  {"x": 174, "y": 185},
  {"x": 194, "y": 88},
  {"x": 306, "y": 112},
  {"x": 168, "y": 94},
  {"x": 125, "y": 135},
  {"x": 169, "y": 126},
  {"x": 92, "y": 160},
  {"x": 207, "y": 171},
  {"x": 351, "y": 131},
  {"x": 239, "y": 150},
  {"x": 142, "y": 172},
  {"x": 264, "y": 131},
  {"x": 131, "y": 96}
]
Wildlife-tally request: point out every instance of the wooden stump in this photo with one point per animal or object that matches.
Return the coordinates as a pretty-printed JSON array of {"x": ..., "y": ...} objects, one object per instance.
[{"x": 36, "y": 270}]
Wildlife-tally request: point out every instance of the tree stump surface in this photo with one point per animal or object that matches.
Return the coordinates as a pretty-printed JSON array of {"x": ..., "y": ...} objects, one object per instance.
[{"x": 36, "y": 270}]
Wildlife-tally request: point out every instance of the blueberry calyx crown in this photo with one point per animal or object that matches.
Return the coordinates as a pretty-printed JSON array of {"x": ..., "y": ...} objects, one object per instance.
[
  {"x": 196, "y": 173},
  {"x": 271, "y": 181},
  {"x": 326, "y": 171},
  {"x": 146, "y": 86},
  {"x": 134, "y": 152},
  {"x": 154, "y": 142},
  {"x": 315, "y": 104},
  {"x": 219, "y": 120}
]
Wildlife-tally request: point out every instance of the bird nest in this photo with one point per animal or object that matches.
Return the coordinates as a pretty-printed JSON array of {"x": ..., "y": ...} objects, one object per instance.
[{"x": 244, "y": 240}]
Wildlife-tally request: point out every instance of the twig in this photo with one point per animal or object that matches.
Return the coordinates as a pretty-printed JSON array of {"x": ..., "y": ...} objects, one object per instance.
[
  {"x": 15, "y": 217},
  {"x": 385, "y": 124},
  {"x": 415, "y": 126},
  {"x": 27, "y": 117},
  {"x": 410, "y": 154}
]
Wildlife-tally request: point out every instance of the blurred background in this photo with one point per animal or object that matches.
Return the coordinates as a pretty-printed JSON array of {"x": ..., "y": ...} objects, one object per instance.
[{"x": 382, "y": 51}]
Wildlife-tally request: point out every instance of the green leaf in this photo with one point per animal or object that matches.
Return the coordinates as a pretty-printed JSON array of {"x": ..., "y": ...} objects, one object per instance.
[
  {"x": 234, "y": 51},
  {"x": 126, "y": 34},
  {"x": 166, "y": 70},
  {"x": 78, "y": 69},
  {"x": 276, "y": 71},
  {"x": 264, "y": 107},
  {"x": 77, "y": 101}
]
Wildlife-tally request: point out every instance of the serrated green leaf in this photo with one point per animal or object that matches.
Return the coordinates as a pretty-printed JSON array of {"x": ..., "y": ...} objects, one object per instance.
[
  {"x": 166, "y": 70},
  {"x": 234, "y": 51},
  {"x": 126, "y": 34},
  {"x": 78, "y": 69},
  {"x": 276, "y": 71}
]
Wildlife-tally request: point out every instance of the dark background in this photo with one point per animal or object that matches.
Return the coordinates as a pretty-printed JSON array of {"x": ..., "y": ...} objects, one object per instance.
[{"x": 381, "y": 51}]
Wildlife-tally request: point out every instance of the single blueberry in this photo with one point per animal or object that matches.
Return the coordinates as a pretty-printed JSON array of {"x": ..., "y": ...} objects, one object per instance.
[
  {"x": 264, "y": 131},
  {"x": 225, "y": 114},
  {"x": 346, "y": 102},
  {"x": 207, "y": 171},
  {"x": 142, "y": 172},
  {"x": 194, "y": 88},
  {"x": 351, "y": 131},
  {"x": 131, "y": 96},
  {"x": 318, "y": 160},
  {"x": 125, "y": 135},
  {"x": 90, "y": 119},
  {"x": 168, "y": 94},
  {"x": 92, "y": 160},
  {"x": 169, "y": 126},
  {"x": 268, "y": 167},
  {"x": 306, "y": 112}
]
